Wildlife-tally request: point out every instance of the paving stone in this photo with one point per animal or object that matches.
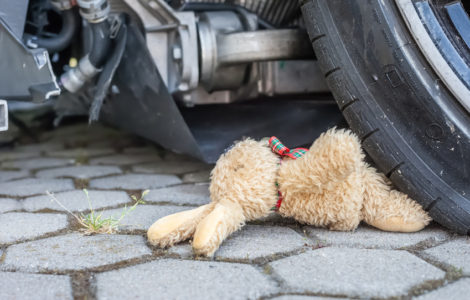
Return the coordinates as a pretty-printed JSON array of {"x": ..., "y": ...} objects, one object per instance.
[
  {"x": 193, "y": 194},
  {"x": 169, "y": 167},
  {"x": 66, "y": 130},
  {"x": 124, "y": 159},
  {"x": 9, "y": 205},
  {"x": 455, "y": 253},
  {"x": 116, "y": 143},
  {"x": 34, "y": 286},
  {"x": 301, "y": 297},
  {"x": 73, "y": 252},
  {"x": 368, "y": 237},
  {"x": 38, "y": 148},
  {"x": 37, "y": 163},
  {"x": 11, "y": 175},
  {"x": 457, "y": 290},
  {"x": 83, "y": 129},
  {"x": 34, "y": 186},
  {"x": 179, "y": 279},
  {"x": 251, "y": 242},
  {"x": 361, "y": 273},
  {"x": 200, "y": 176},
  {"x": 83, "y": 172},
  {"x": 84, "y": 139},
  {"x": 171, "y": 156},
  {"x": 141, "y": 150},
  {"x": 19, "y": 226},
  {"x": 14, "y": 155},
  {"x": 143, "y": 216},
  {"x": 135, "y": 181},
  {"x": 80, "y": 153},
  {"x": 77, "y": 200},
  {"x": 183, "y": 250},
  {"x": 255, "y": 241}
]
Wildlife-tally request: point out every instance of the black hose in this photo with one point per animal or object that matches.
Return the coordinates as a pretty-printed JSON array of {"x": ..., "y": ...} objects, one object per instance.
[
  {"x": 70, "y": 24},
  {"x": 101, "y": 43}
]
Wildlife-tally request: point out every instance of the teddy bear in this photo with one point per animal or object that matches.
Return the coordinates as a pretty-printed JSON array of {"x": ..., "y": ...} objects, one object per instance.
[{"x": 329, "y": 185}]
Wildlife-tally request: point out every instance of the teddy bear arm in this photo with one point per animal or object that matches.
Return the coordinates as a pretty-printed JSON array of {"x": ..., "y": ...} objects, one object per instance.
[
  {"x": 225, "y": 219},
  {"x": 335, "y": 154},
  {"x": 177, "y": 227},
  {"x": 337, "y": 206},
  {"x": 333, "y": 157}
]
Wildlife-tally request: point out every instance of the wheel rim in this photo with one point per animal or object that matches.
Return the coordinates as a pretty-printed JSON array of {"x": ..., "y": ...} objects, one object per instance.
[{"x": 443, "y": 35}]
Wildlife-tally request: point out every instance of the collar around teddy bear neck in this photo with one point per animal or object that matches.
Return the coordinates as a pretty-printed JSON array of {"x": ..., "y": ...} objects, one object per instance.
[{"x": 278, "y": 148}]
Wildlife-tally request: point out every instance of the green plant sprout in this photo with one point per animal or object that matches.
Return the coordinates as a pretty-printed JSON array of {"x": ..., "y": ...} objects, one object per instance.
[{"x": 93, "y": 222}]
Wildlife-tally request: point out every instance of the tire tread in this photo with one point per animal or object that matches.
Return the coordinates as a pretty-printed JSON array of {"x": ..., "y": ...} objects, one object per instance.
[{"x": 386, "y": 155}]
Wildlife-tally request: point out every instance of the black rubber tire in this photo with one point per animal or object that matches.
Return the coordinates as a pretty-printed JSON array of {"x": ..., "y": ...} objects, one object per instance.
[{"x": 409, "y": 123}]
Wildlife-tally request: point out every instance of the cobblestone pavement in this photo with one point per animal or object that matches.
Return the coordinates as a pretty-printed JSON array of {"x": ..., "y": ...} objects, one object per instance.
[{"x": 42, "y": 255}]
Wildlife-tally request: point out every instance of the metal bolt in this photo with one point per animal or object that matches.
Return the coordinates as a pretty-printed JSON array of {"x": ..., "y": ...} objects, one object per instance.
[
  {"x": 177, "y": 53},
  {"x": 187, "y": 100},
  {"x": 114, "y": 89},
  {"x": 183, "y": 87}
]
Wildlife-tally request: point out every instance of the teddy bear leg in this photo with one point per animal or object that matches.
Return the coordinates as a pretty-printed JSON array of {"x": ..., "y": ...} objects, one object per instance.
[
  {"x": 218, "y": 225},
  {"x": 177, "y": 227},
  {"x": 398, "y": 213},
  {"x": 388, "y": 209}
]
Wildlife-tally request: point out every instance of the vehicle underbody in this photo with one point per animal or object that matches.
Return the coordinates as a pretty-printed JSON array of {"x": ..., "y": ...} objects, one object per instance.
[{"x": 195, "y": 76}]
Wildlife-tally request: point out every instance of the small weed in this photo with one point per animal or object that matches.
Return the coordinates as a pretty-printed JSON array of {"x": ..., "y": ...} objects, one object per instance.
[
  {"x": 454, "y": 273},
  {"x": 94, "y": 222},
  {"x": 267, "y": 270}
]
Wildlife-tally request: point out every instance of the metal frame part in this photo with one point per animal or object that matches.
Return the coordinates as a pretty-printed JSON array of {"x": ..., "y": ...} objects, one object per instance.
[
  {"x": 13, "y": 14},
  {"x": 212, "y": 57},
  {"x": 275, "y": 13},
  {"x": 264, "y": 45},
  {"x": 3, "y": 115},
  {"x": 172, "y": 40},
  {"x": 27, "y": 73},
  {"x": 212, "y": 27}
]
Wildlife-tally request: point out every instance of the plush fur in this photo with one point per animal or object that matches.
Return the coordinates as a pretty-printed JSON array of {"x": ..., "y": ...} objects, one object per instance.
[{"x": 330, "y": 186}]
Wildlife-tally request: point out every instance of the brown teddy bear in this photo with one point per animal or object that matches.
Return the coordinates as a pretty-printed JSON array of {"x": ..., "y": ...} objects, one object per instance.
[{"x": 329, "y": 185}]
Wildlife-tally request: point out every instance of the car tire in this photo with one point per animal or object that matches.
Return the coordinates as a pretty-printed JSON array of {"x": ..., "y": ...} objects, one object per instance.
[{"x": 409, "y": 123}]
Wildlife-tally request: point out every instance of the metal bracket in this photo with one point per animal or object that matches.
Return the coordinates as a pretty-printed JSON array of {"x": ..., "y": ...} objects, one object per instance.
[
  {"x": 161, "y": 11},
  {"x": 172, "y": 40},
  {"x": 25, "y": 74},
  {"x": 3, "y": 115}
]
